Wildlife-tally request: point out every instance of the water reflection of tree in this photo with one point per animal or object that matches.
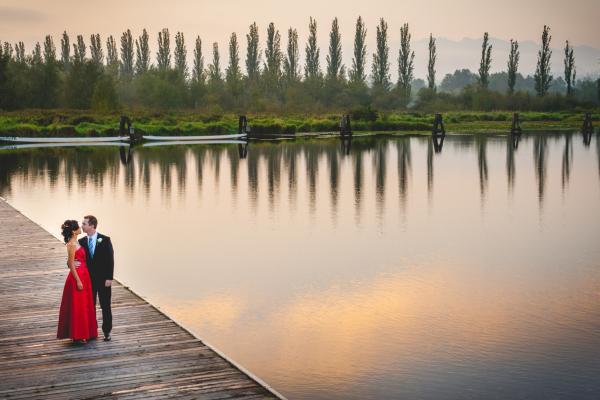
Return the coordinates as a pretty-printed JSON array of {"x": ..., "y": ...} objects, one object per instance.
[
  {"x": 357, "y": 166},
  {"x": 199, "y": 155},
  {"x": 429, "y": 168},
  {"x": 79, "y": 165},
  {"x": 510, "y": 162},
  {"x": 146, "y": 166},
  {"x": 567, "y": 161},
  {"x": 404, "y": 167},
  {"x": 333, "y": 161},
  {"x": 10, "y": 163},
  {"x": 540, "y": 153},
  {"x": 252, "y": 164},
  {"x": 379, "y": 161},
  {"x": 128, "y": 165},
  {"x": 482, "y": 164},
  {"x": 233, "y": 156},
  {"x": 168, "y": 160},
  {"x": 214, "y": 155},
  {"x": 290, "y": 157},
  {"x": 273, "y": 155},
  {"x": 311, "y": 154}
]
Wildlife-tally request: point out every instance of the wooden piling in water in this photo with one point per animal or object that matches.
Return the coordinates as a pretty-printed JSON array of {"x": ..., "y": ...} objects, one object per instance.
[
  {"x": 515, "y": 129},
  {"x": 345, "y": 127},
  {"x": 588, "y": 127},
  {"x": 438, "y": 125},
  {"x": 243, "y": 125}
]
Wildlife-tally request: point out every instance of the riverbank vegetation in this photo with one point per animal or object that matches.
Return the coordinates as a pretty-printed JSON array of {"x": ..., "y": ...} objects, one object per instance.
[
  {"x": 61, "y": 123},
  {"x": 82, "y": 88},
  {"x": 122, "y": 75}
]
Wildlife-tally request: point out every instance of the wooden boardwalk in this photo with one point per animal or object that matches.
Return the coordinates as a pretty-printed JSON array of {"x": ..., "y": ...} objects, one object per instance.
[{"x": 149, "y": 357}]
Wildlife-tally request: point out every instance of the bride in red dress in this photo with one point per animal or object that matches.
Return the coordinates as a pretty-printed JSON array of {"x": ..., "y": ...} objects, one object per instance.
[{"x": 77, "y": 318}]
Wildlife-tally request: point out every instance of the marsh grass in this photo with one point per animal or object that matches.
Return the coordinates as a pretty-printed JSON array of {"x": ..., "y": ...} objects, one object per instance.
[{"x": 70, "y": 123}]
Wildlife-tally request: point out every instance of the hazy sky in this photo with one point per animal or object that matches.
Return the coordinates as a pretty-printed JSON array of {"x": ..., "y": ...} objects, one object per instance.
[{"x": 30, "y": 20}]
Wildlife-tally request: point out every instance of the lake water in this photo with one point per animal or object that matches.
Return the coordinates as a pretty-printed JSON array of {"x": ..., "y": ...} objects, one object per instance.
[{"x": 390, "y": 269}]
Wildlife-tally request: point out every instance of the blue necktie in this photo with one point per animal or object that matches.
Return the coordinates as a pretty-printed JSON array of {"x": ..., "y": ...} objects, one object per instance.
[{"x": 92, "y": 246}]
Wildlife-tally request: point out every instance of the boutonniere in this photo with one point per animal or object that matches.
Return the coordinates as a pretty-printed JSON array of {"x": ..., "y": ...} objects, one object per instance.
[{"x": 99, "y": 240}]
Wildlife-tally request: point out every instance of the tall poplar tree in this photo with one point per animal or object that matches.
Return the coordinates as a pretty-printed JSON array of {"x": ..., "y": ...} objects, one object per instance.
[
  {"x": 335, "y": 68},
  {"x": 142, "y": 52},
  {"x": 486, "y": 62},
  {"x": 180, "y": 55},
  {"x": 431, "y": 63},
  {"x": 20, "y": 53},
  {"x": 542, "y": 76},
  {"x": 79, "y": 49},
  {"x": 570, "y": 73},
  {"x": 406, "y": 59},
  {"x": 49, "y": 50},
  {"x": 126, "y": 55},
  {"x": 312, "y": 69},
  {"x": 357, "y": 73},
  {"x": 253, "y": 53},
  {"x": 65, "y": 54},
  {"x": 198, "y": 74},
  {"x": 50, "y": 84},
  {"x": 273, "y": 56},
  {"x": 112, "y": 57},
  {"x": 513, "y": 65},
  {"x": 291, "y": 63},
  {"x": 163, "y": 56},
  {"x": 96, "y": 49},
  {"x": 233, "y": 75},
  {"x": 380, "y": 72},
  {"x": 214, "y": 69}
]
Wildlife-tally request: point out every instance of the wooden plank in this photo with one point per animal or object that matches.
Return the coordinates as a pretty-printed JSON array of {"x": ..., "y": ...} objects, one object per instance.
[{"x": 150, "y": 356}]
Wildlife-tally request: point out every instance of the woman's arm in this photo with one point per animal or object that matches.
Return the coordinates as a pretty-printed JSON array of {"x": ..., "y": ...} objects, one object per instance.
[{"x": 71, "y": 264}]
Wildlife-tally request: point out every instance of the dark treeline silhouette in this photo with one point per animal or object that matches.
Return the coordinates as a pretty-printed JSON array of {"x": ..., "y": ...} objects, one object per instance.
[{"x": 106, "y": 75}]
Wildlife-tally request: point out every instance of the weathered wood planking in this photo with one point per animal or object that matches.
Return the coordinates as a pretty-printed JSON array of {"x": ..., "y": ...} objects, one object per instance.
[{"x": 149, "y": 357}]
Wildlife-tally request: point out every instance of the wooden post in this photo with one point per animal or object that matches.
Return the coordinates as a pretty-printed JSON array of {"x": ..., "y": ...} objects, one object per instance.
[
  {"x": 124, "y": 121},
  {"x": 242, "y": 125},
  {"x": 438, "y": 125},
  {"x": 588, "y": 127},
  {"x": 126, "y": 128},
  {"x": 345, "y": 128},
  {"x": 516, "y": 125}
]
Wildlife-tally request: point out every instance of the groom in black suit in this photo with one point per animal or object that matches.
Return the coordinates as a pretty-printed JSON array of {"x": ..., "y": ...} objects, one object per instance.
[{"x": 101, "y": 264}]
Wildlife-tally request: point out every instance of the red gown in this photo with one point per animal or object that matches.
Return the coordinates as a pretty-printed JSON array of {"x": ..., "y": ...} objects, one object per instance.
[{"x": 77, "y": 318}]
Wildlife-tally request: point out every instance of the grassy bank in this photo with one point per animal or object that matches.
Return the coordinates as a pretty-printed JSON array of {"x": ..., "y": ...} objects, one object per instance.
[{"x": 71, "y": 123}]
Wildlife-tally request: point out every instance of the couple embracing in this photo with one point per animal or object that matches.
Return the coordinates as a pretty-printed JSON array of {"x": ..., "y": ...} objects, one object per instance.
[{"x": 91, "y": 265}]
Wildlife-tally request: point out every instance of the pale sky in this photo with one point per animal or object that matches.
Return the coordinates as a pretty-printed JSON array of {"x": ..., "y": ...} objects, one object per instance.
[{"x": 214, "y": 21}]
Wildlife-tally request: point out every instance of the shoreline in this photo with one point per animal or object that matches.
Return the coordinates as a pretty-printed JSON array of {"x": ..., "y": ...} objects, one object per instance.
[{"x": 81, "y": 124}]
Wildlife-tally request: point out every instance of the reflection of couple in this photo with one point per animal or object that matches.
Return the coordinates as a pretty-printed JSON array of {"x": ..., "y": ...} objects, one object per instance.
[{"x": 91, "y": 264}]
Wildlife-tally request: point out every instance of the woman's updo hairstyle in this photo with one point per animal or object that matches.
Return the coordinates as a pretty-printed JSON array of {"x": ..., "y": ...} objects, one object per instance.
[{"x": 68, "y": 227}]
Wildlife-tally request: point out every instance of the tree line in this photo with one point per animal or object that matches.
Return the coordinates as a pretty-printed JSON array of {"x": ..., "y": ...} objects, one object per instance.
[{"x": 107, "y": 75}]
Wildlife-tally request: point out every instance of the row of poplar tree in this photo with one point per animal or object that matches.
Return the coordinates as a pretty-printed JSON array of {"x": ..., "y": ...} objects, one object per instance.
[{"x": 123, "y": 73}]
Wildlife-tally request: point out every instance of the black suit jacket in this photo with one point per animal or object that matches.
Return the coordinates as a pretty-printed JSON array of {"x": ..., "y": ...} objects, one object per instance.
[{"x": 102, "y": 265}]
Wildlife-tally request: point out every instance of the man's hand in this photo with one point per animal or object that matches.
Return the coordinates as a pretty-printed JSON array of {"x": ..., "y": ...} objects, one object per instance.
[
  {"x": 108, "y": 283},
  {"x": 77, "y": 263}
]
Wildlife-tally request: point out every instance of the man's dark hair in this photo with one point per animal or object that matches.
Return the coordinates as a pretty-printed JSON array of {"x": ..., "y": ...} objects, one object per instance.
[{"x": 92, "y": 220}]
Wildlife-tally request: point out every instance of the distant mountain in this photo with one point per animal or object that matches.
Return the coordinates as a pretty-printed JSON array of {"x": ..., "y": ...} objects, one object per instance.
[{"x": 466, "y": 53}]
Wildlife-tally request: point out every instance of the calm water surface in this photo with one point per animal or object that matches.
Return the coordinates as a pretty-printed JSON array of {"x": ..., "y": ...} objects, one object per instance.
[{"x": 392, "y": 269}]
